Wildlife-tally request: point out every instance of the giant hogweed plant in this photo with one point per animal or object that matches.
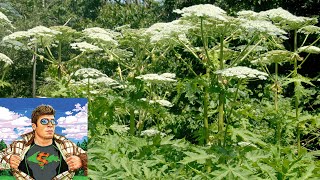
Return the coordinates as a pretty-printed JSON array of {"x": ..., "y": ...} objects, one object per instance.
[
  {"x": 304, "y": 27},
  {"x": 210, "y": 27},
  {"x": 5, "y": 26},
  {"x": 46, "y": 44}
]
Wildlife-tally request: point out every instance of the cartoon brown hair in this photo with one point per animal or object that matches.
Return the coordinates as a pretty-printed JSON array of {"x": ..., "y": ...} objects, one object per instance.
[{"x": 41, "y": 110}]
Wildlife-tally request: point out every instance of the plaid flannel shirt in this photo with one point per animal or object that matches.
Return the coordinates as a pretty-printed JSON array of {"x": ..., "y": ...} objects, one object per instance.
[{"x": 21, "y": 147}]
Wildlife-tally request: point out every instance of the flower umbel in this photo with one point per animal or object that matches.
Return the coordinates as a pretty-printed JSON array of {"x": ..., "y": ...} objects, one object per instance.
[
  {"x": 151, "y": 132},
  {"x": 5, "y": 59},
  {"x": 309, "y": 49},
  {"x": 4, "y": 17},
  {"x": 242, "y": 72},
  {"x": 98, "y": 33},
  {"x": 203, "y": 10},
  {"x": 157, "y": 78},
  {"x": 164, "y": 31},
  {"x": 162, "y": 102},
  {"x": 84, "y": 46}
]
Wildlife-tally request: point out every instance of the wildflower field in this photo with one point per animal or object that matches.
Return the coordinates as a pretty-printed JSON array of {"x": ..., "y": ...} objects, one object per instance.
[{"x": 209, "y": 95}]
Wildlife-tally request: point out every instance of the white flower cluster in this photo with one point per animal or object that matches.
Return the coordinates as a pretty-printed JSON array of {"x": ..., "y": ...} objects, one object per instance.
[
  {"x": 248, "y": 14},
  {"x": 263, "y": 27},
  {"x": 84, "y": 46},
  {"x": 169, "y": 75},
  {"x": 203, "y": 10},
  {"x": 17, "y": 35},
  {"x": 101, "y": 80},
  {"x": 101, "y": 34},
  {"x": 163, "y": 31},
  {"x": 243, "y": 144},
  {"x": 242, "y": 72},
  {"x": 310, "y": 29},
  {"x": 309, "y": 49},
  {"x": 162, "y": 102},
  {"x": 5, "y": 59},
  {"x": 4, "y": 17},
  {"x": 93, "y": 76},
  {"x": 255, "y": 48},
  {"x": 41, "y": 30},
  {"x": 119, "y": 128},
  {"x": 151, "y": 132},
  {"x": 283, "y": 16},
  {"x": 89, "y": 72},
  {"x": 36, "y": 31},
  {"x": 13, "y": 44},
  {"x": 165, "y": 77}
]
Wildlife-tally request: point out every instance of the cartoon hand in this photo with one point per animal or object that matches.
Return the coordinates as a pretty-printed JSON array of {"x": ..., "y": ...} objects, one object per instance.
[
  {"x": 74, "y": 162},
  {"x": 14, "y": 161}
]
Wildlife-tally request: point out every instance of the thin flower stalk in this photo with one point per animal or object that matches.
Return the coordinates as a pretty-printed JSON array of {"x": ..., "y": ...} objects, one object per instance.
[
  {"x": 294, "y": 75},
  {"x": 34, "y": 86},
  {"x": 206, "y": 93},
  {"x": 221, "y": 95},
  {"x": 132, "y": 121}
]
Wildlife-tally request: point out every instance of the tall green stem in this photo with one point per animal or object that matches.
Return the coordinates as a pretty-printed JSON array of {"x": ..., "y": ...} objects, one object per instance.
[
  {"x": 59, "y": 61},
  {"x": 206, "y": 92},
  {"x": 221, "y": 95},
  {"x": 34, "y": 58},
  {"x": 295, "y": 74},
  {"x": 132, "y": 123},
  {"x": 276, "y": 89}
]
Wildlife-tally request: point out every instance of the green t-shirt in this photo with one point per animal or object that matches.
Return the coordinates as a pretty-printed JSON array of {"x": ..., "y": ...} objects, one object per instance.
[{"x": 44, "y": 162}]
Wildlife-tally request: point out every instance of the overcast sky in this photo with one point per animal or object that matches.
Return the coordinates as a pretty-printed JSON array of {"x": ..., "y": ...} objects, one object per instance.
[{"x": 71, "y": 114}]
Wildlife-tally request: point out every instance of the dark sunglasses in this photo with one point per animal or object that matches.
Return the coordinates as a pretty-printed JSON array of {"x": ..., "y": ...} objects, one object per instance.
[{"x": 45, "y": 121}]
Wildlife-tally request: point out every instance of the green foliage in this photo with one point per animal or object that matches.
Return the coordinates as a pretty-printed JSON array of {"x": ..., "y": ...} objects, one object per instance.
[{"x": 2, "y": 144}]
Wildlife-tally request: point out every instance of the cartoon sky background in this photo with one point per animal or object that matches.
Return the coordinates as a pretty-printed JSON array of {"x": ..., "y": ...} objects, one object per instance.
[{"x": 71, "y": 114}]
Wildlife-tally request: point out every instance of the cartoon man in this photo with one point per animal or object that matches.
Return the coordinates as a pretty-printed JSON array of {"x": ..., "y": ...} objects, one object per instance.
[{"x": 42, "y": 154}]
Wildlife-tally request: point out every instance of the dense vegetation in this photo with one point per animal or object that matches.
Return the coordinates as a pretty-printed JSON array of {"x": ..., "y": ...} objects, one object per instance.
[{"x": 176, "y": 90}]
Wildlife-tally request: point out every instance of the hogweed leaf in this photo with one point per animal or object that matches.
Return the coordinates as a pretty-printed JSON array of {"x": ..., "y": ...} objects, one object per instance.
[
  {"x": 200, "y": 156},
  {"x": 247, "y": 136},
  {"x": 228, "y": 172},
  {"x": 299, "y": 79}
]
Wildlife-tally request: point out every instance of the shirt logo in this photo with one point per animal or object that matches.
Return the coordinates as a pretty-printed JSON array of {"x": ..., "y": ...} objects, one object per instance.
[{"x": 42, "y": 158}]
